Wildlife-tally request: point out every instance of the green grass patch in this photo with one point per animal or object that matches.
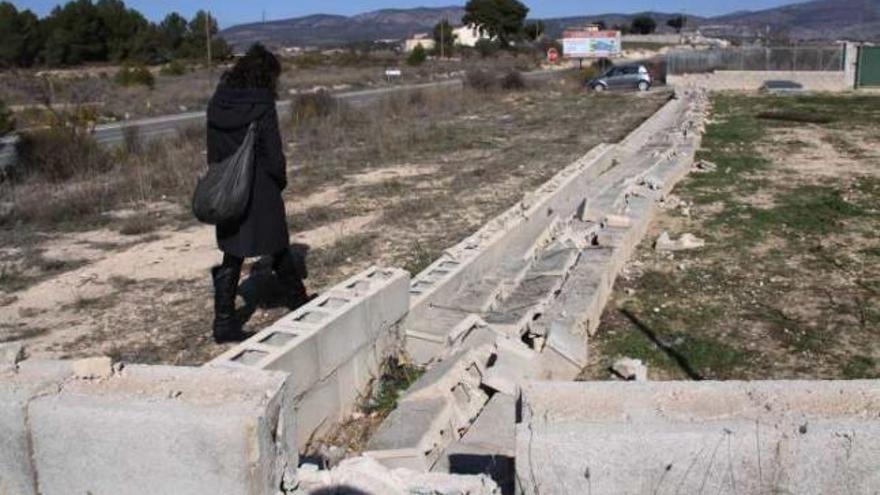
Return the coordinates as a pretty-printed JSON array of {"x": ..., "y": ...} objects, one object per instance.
[{"x": 396, "y": 378}]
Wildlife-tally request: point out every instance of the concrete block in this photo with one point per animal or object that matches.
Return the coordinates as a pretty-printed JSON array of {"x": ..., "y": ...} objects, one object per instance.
[
  {"x": 631, "y": 369},
  {"x": 317, "y": 410},
  {"x": 32, "y": 379},
  {"x": 710, "y": 437},
  {"x": 163, "y": 429},
  {"x": 415, "y": 434},
  {"x": 514, "y": 363}
]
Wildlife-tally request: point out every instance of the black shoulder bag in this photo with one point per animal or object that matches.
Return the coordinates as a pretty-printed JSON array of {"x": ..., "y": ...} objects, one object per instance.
[{"x": 222, "y": 194}]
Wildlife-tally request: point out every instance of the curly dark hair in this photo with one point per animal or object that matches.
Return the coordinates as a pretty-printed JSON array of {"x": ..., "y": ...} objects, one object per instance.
[{"x": 259, "y": 68}]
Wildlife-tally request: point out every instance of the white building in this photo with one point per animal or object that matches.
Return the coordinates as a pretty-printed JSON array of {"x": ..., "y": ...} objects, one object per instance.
[
  {"x": 423, "y": 39},
  {"x": 468, "y": 35}
]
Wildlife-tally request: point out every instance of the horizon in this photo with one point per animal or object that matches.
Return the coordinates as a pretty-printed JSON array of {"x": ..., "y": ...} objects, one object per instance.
[{"x": 230, "y": 13}]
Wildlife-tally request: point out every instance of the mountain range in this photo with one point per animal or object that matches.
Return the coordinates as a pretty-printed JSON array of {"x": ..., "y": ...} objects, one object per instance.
[{"x": 817, "y": 19}]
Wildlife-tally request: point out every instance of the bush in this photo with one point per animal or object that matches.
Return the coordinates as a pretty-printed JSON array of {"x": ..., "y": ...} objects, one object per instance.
[
  {"x": 481, "y": 79},
  {"x": 417, "y": 56},
  {"x": 309, "y": 59},
  {"x": 173, "y": 68},
  {"x": 513, "y": 81},
  {"x": 59, "y": 154},
  {"x": 312, "y": 105},
  {"x": 486, "y": 48},
  {"x": 7, "y": 121},
  {"x": 602, "y": 65},
  {"x": 135, "y": 75}
]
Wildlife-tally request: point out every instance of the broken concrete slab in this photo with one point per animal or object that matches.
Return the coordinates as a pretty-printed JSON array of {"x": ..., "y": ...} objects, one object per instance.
[
  {"x": 810, "y": 437},
  {"x": 433, "y": 412},
  {"x": 162, "y": 429},
  {"x": 365, "y": 475},
  {"x": 514, "y": 364},
  {"x": 489, "y": 445},
  {"x": 18, "y": 387}
]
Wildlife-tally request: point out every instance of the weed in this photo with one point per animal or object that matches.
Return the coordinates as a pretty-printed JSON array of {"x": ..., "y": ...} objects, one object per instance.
[
  {"x": 397, "y": 376},
  {"x": 513, "y": 81},
  {"x": 139, "y": 224},
  {"x": 481, "y": 80},
  {"x": 135, "y": 76},
  {"x": 419, "y": 258},
  {"x": 860, "y": 367}
]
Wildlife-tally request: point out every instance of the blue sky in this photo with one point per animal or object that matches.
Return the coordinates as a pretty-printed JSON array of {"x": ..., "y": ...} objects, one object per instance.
[{"x": 236, "y": 11}]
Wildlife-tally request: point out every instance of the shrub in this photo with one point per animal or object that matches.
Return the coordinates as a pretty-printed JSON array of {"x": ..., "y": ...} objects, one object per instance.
[
  {"x": 312, "y": 105},
  {"x": 513, "y": 81},
  {"x": 309, "y": 59},
  {"x": 60, "y": 153},
  {"x": 135, "y": 75},
  {"x": 173, "y": 68},
  {"x": 481, "y": 79},
  {"x": 486, "y": 48},
  {"x": 417, "y": 56},
  {"x": 7, "y": 121}
]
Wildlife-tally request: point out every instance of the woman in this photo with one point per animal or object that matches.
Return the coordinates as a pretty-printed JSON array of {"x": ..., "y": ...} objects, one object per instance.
[{"x": 246, "y": 94}]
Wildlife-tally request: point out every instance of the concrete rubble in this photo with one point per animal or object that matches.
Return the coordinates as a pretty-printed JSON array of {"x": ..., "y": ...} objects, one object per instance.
[
  {"x": 630, "y": 369},
  {"x": 365, "y": 475},
  {"x": 683, "y": 243}
]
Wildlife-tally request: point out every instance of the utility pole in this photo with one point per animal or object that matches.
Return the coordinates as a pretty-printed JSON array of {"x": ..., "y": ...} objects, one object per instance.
[
  {"x": 443, "y": 38},
  {"x": 208, "y": 44}
]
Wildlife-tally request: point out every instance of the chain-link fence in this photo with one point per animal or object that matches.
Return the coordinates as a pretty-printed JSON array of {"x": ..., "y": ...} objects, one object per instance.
[{"x": 826, "y": 59}]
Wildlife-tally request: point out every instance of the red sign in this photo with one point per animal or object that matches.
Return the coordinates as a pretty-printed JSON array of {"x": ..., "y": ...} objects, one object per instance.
[
  {"x": 573, "y": 33},
  {"x": 552, "y": 55}
]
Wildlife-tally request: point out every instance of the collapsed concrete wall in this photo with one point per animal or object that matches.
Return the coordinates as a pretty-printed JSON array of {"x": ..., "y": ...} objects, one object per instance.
[
  {"x": 87, "y": 427},
  {"x": 806, "y": 437},
  {"x": 332, "y": 347}
]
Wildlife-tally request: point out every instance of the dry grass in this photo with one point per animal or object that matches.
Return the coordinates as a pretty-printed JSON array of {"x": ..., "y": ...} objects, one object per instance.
[{"x": 422, "y": 172}]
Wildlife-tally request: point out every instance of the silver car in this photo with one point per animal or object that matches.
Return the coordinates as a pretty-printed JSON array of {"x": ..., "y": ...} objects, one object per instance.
[{"x": 633, "y": 76}]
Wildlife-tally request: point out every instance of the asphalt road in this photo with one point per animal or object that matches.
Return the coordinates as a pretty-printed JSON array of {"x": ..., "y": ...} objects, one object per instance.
[{"x": 169, "y": 125}]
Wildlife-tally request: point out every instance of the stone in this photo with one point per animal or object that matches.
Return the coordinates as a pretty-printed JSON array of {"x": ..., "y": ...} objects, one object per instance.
[
  {"x": 705, "y": 166},
  {"x": 617, "y": 221},
  {"x": 11, "y": 353},
  {"x": 95, "y": 368},
  {"x": 685, "y": 242},
  {"x": 631, "y": 369}
]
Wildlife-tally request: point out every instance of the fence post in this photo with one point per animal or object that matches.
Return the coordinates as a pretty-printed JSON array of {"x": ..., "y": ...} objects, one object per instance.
[{"x": 794, "y": 59}]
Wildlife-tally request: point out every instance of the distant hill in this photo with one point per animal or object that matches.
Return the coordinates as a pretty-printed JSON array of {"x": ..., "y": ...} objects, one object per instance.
[
  {"x": 334, "y": 30},
  {"x": 819, "y": 19}
]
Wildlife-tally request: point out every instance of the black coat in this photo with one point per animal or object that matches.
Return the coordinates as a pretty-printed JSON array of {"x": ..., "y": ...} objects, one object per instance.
[{"x": 263, "y": 230}]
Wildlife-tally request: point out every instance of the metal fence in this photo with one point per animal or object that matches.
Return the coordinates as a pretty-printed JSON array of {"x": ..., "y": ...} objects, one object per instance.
[{"x": 825, "y": 59}]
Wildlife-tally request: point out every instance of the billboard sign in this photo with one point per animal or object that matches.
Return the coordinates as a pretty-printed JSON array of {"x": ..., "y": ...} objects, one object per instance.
[{"x": 591, "y": 44}]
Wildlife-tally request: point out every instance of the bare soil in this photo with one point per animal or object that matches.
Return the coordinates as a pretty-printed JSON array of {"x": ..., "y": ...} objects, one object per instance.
[
  {"x": 393, "y": 185},
  {"x": 787, "y": 285}
]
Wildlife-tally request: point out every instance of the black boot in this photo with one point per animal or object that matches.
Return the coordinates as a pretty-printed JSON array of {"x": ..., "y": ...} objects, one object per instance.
[
  {"x": 289, "y": 274},
  {"x": 227, "y": 326}
]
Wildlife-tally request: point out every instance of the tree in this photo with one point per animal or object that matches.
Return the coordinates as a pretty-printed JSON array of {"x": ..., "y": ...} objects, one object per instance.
[
  {"x": 677, "y": 23},
  {"x": 644, "y": 24},
  {"x": 501, "y": 19},
  {"x": 534, "y": 30},
  {"x": 417, "y": 56},
  {"x": 601, "y": 25},
  {"x": 444, "y": 37},
  {"x": 7, "y": 122},
  {"x": 20, "y": 39},
  {"x": 174, "y": 29},
  {"x": 123, "y": 26},
  {"x": 75, "y": 33}
]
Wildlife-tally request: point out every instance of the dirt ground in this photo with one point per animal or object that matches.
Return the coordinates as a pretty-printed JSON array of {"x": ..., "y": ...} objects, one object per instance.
[
  {"x": 392, "y": 185},
  {"x": 787, "y": 284}
]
